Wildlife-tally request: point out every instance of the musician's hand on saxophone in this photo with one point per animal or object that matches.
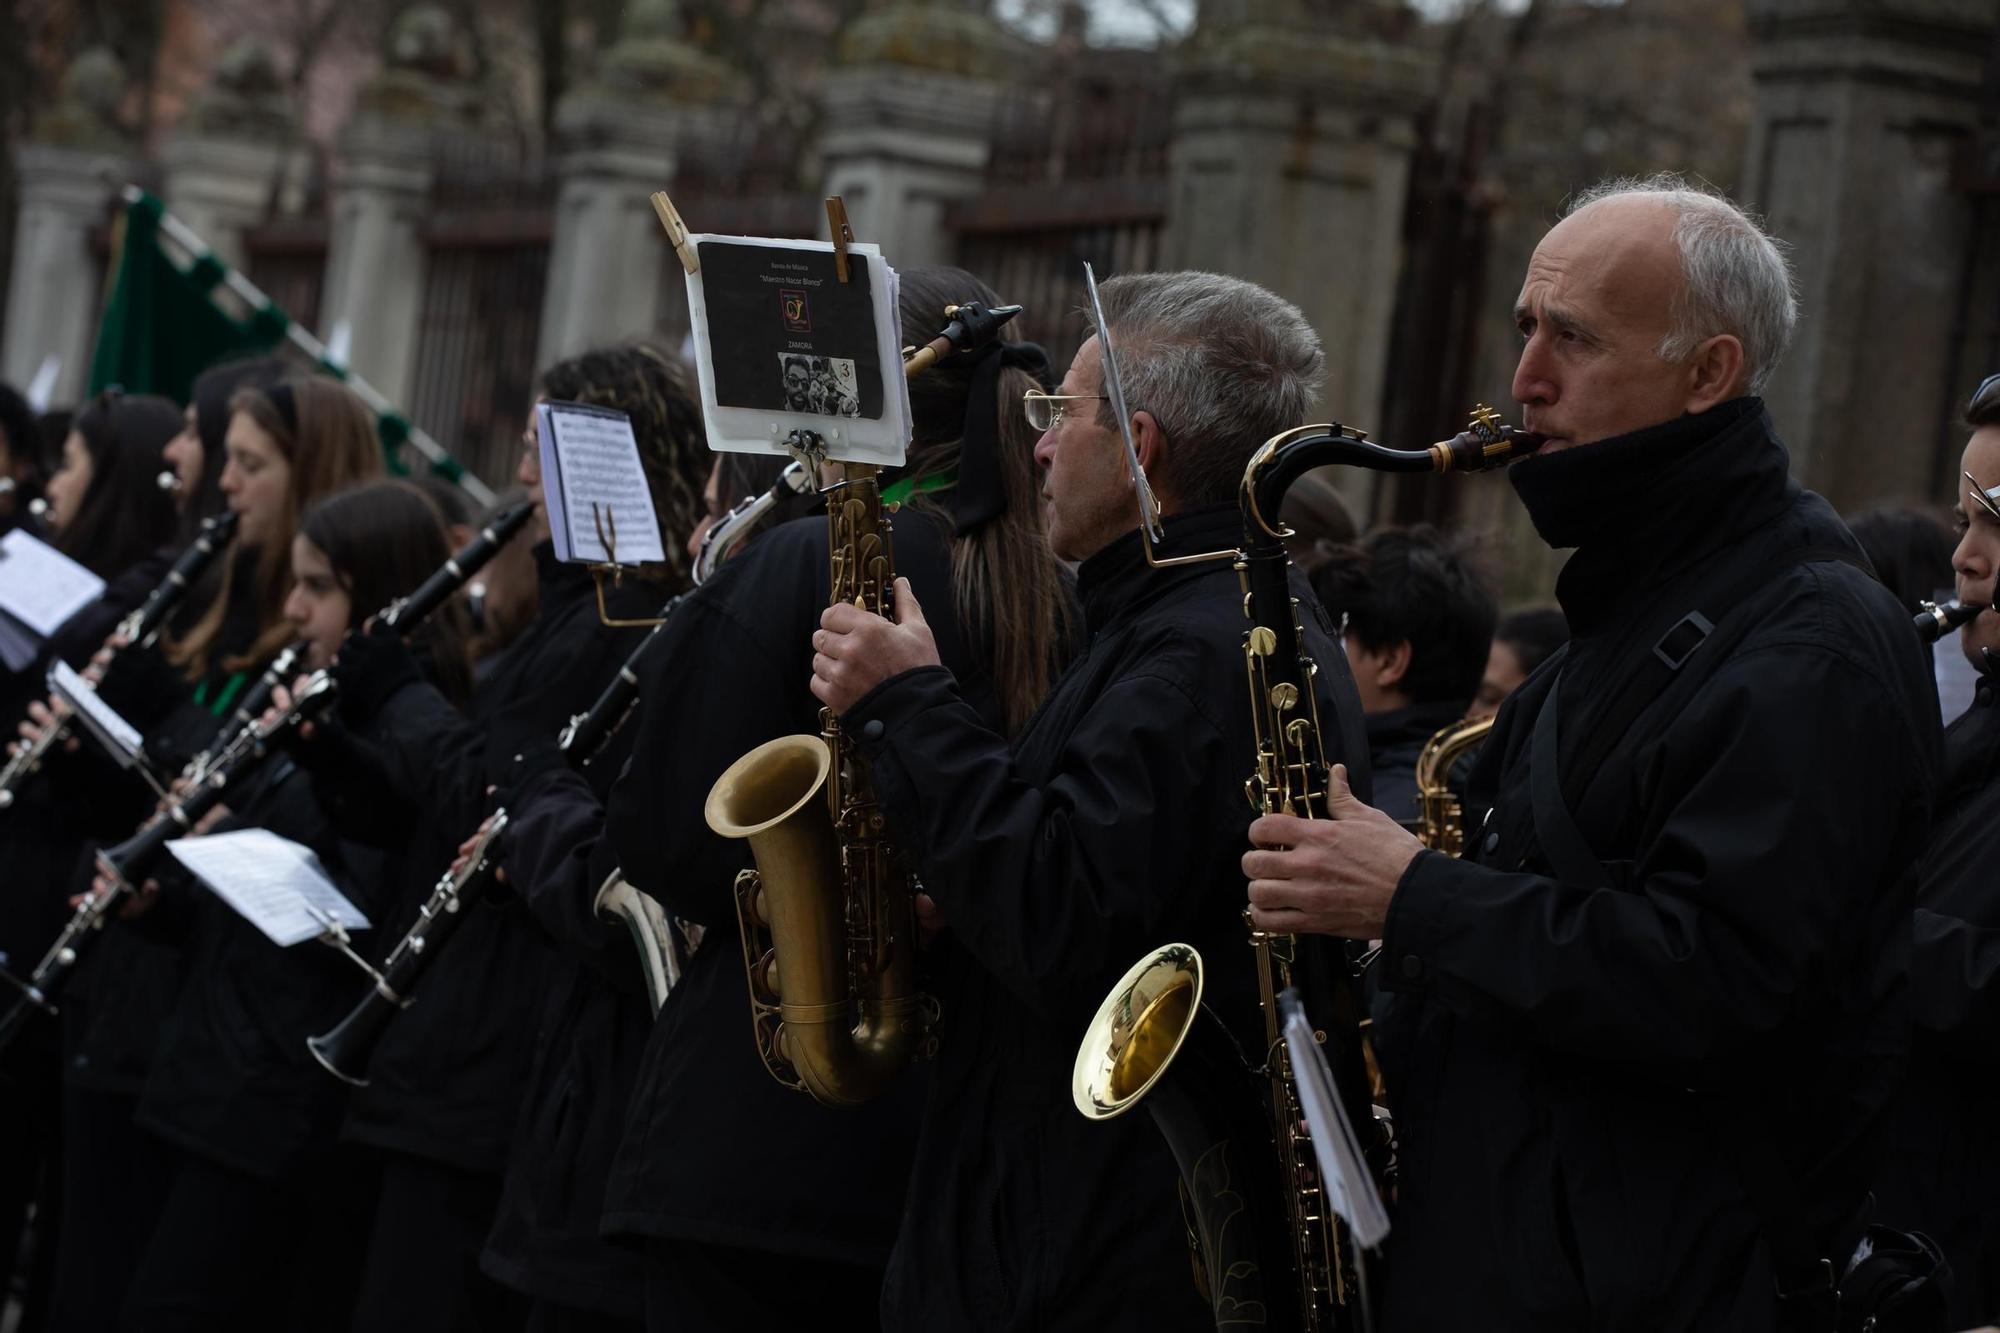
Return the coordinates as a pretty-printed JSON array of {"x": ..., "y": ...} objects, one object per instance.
[
  {"x": 856, "y": 650},
  {"x": 1332, "y": 876}
]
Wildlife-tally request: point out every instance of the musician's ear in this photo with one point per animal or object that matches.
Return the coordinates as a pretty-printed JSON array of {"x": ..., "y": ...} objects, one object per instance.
[{"x": 1150, "y": 442}]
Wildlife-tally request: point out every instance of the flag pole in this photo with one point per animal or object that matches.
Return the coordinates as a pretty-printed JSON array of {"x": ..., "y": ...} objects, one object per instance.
[{"x": 187, "y": 239}]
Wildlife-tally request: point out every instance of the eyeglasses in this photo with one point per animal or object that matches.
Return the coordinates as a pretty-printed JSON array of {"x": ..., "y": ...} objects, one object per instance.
[
  {"x": 1985, "y": 398},
  {"x": 1045, "y": 410}
]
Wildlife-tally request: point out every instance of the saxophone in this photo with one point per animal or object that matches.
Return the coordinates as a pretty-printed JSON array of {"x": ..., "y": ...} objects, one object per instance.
[
  {"x": 1440, "y": 816},
  {"x": 827, "y": 917},
  {"x": 1268, "y": 1251}
]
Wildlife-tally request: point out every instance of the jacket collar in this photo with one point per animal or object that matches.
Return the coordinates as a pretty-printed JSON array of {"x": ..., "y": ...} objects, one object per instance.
[
  {"x": 1412, "y": 725},
  {"x": 1117, "y": 579},
  {"x": 1643, "y": 508}
]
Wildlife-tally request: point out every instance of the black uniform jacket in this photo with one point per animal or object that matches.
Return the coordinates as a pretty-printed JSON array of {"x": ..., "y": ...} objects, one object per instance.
[
  {"x": 1114, "y": 824},
  {"x": 1396, "y": 739},
  {"x": 446, "y": 1080},
  {"x": 1575, "y": 1067},
  {"x": 1942, "y": 1172},
  {"x": 715, "y": 1149},
  {"x": 116, "y": 1005},
  {"x": 233, "y": 1082},
  {"x": 591, "y": 1033}
]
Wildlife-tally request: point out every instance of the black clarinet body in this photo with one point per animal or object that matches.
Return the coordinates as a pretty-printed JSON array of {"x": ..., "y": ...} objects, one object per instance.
[{"x": 139, "y": 630}]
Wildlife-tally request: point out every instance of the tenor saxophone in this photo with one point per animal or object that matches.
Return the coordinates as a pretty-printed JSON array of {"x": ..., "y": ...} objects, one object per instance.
[
  {"x": 1440, "y": 814},
  {"x": 1268, "y": 1250},
  {"x": 827, "y": 917}
]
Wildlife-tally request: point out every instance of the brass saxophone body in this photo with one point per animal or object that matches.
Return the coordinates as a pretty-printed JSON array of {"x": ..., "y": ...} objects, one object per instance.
[
  {"x": 1268, "y": 1251},
  {"x": 829, "y": 930},
  {"x": 1440, "y": 814}
]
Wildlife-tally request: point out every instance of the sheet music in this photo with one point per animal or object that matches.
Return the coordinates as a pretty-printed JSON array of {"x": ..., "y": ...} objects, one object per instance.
[
  {"x": 40, "y": 586},
  {"x": 19, "y": 645},
  {"x": 590, "y": 457},
  {"x": 120, "y": 739},
  {"x": 273, "y": 883},
  {"x": 781, "y": 344},
  {"x": 1349, "y": 1187}
]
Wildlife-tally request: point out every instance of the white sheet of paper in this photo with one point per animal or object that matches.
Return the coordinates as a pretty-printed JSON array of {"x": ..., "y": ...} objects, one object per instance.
[
  {"x": 1349, "y": 1187},
  {"x": 19, "y": 645},
  {"x": 743, "y": 430},
  {"x": 119, "y": 737},
  {"x": 40, "y": 586},
  {"x": 591, "y": 458},
  {"x": 273, "y": 883}
]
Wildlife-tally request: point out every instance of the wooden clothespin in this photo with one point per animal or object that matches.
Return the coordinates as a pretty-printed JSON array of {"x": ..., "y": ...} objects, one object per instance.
[
  {"x": 677, "y": 231},
  {"x": 843, "y": 235}
]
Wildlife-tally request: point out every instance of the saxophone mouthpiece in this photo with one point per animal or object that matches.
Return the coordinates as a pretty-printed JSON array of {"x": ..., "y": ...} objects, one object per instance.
[
  {"x": 1487, "y": 442},
  {"x": 1933, "y": 621}
]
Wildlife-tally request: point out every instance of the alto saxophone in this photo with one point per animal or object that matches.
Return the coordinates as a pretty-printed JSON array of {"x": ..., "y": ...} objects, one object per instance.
[
  {"x": 827, "y": 917},
  {"x": 1268, "y": 1250},
  {"x": 1440, "y": 815}
]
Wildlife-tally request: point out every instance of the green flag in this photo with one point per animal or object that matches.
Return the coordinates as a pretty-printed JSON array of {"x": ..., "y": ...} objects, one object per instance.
[{"x": 161, "y": 328}]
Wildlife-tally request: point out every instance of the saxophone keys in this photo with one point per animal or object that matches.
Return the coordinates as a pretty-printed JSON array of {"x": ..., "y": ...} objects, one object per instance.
[
  {"x": 1284, "y": 695},
  {"x": 1263, "y": 641}
]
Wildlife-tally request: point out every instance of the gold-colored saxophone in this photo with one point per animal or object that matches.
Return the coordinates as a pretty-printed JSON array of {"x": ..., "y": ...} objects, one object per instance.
[
  {"x": 1440, "y": 815},
  {"x": 1268, "y": 1250},
  {"x": 827, "y": 917}
]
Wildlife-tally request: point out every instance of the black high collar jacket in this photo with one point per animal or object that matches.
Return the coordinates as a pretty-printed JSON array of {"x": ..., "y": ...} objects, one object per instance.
[
  {"x": 1115, "y": 823},
  {"x": 1574, "y": 1067}
]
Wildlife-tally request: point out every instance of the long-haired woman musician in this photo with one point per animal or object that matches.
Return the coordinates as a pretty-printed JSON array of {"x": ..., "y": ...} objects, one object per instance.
[
  {"x": 780, "y": 1185},
  {"x": 446, "y": 1079},
  {"x": 262, "y": 1203},
  {"x": 285, "y": 447}
]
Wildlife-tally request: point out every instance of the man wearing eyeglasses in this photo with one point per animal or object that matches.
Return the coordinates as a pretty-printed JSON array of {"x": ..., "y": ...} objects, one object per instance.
[
  {"x": 1112, "y": 824},
  {"x": 1642, "y": 1040},
  {"x": 1943, "y": 1165}
]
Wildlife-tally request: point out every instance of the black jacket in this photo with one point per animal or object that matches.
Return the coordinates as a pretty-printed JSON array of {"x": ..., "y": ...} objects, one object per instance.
[
  {"x": 233, "y": 1081},
  {"x": 590, "y": 1035},
  {"x": 1395, "y": 741},
  {"x": 1115, "y": 823},
  {"x": 446, "y": 1080},
  {"x": 1575, "y": 1067},
  {"x": 1942, "y": 1171},
  {"x": 714, "y": 1148}
]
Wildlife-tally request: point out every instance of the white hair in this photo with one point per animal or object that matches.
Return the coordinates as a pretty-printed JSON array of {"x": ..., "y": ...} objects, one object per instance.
[{"x": 1735, "y": 278}]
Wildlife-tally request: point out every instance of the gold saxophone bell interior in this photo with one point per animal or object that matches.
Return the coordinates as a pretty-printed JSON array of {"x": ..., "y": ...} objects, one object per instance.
[{"x": 1137, "y": 1031}]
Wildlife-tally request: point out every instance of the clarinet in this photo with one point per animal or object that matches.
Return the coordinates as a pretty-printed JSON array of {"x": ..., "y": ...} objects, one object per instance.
[
  {"x": 140, "y": 629},
  {"x": 214, "y": 773},
  {"x": 1933, "y": 621},
  {"x": 346, "y": 1049}
]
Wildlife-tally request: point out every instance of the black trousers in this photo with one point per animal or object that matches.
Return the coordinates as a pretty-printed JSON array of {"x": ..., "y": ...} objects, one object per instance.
[
  {"x": 31, "y": 1166},
  {"x": 422, "y": 1270},
  {"x": 114, "y": 1182},
  {"x": 692, "y": 1288}
]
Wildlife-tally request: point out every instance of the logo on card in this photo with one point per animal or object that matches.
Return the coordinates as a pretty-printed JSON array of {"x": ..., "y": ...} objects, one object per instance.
[{"x": 798, "y": 315}]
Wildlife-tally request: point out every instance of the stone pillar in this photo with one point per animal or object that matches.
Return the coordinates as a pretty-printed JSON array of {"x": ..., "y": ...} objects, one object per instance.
[
  {"x": 618, "y": 139},
  {"x": 908, "y": 113},
  {"x": 56, "y": 289},
  {"x": 1290, "y": 161},
  {"x": 228, "y": 162},
  {"x": 375, "y": 263},
  {"x": 1861, "y": 106},
  {"x": 68, "y": 181}
]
